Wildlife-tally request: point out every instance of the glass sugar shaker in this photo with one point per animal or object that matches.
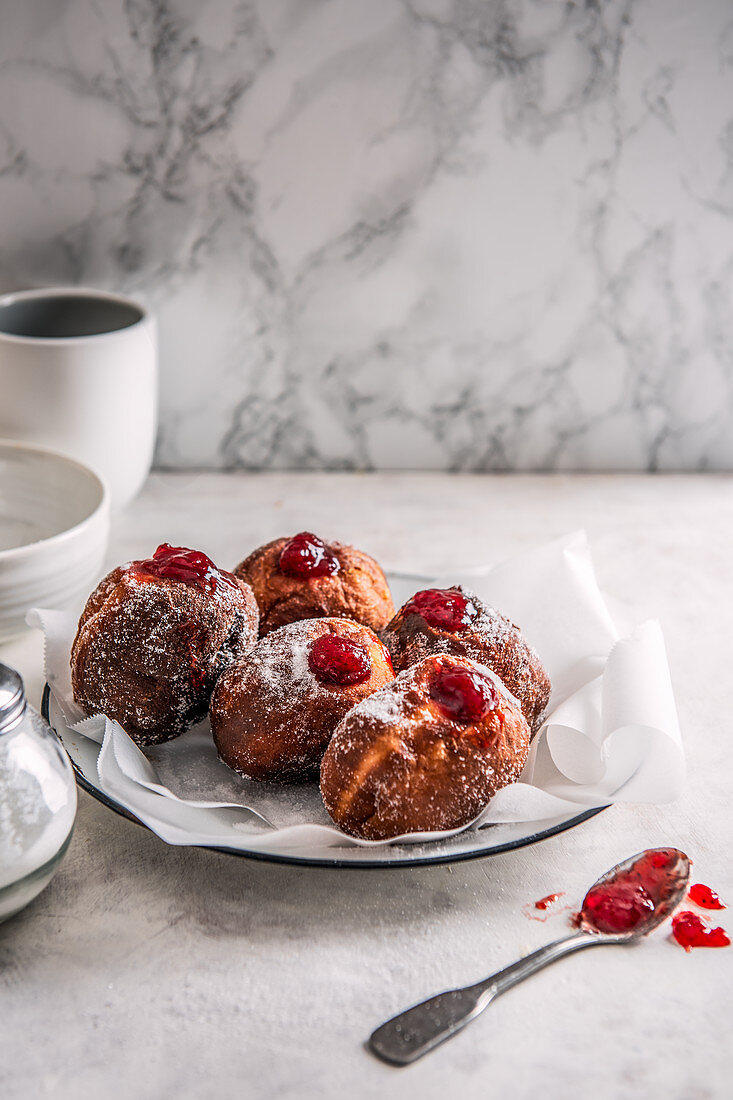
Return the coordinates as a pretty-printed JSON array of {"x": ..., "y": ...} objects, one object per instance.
[{"x": 37, "y": 798}]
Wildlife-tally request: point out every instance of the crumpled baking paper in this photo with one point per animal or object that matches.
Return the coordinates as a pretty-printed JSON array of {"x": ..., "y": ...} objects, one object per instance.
[{"x": 611, "y": 732}]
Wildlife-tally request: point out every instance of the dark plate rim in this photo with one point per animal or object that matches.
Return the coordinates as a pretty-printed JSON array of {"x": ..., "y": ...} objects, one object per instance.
[{"x": 310, "y": 861}]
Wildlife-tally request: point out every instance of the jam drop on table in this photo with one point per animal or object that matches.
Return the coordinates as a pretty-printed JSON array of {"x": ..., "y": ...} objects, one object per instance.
[
  {"x": 689, "y": 931},
  {"x": 443, "y": 608},
  {"x": 623, "y": 902},
  {"x": 462, "y": 694},
  {"x": 335, "y": 660},
  {"x": 546, "y": 902},
  {"x": 192, "y": 567},
  {"x": 305, "y": 555},
  {"x": 704, "y": 897}
]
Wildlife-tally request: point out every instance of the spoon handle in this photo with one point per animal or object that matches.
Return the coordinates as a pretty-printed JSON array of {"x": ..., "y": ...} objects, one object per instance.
[{"x": 414, "y": 1032}]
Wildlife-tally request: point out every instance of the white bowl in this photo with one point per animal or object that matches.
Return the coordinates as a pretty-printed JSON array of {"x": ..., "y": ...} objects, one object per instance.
[{"x": 54, "y": 526}]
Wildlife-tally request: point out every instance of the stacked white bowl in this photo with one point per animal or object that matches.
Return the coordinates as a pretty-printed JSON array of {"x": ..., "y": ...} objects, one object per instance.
[{"x": 54, "y": 527}]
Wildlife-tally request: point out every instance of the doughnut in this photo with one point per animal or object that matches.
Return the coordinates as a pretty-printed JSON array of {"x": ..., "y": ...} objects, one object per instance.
[
  {"x": 273, "y": 713},
  {"x": 154, "y": 637},
  {"x": 455, "y": 620},
  {"x": 305, "y": 578},
  {"x": 425, "y": 753}
]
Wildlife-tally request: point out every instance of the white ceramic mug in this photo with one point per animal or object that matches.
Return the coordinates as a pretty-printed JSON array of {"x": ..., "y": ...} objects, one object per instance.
[{"x": 78, "y": 373}]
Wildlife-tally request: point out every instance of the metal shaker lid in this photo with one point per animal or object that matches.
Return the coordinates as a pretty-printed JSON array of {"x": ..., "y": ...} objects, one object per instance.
[{"x": 12, "y": 698}]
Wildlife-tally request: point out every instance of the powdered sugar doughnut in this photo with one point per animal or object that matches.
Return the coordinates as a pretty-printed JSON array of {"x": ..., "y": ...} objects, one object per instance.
[
  {"x": 426, "y": 753},
  {"x": 273, "y": 713},
  {"x": 455, "y": 620},
  {"x": 305, "y": 578},
  {"x": 154, "y": 637}
]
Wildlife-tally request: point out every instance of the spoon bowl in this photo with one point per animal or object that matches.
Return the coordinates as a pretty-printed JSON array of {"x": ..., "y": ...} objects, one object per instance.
[{"x": 657, "y": 875}]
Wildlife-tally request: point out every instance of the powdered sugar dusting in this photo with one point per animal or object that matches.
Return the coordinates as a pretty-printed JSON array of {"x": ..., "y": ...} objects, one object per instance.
[
  {"x": 149, "y": 650},
  {"x": 281, "y": 660},
  {"x": 396, "y": 764},
  {"x": 388, "y": 705},
  {"x": 271, "y": 716},
  {"x": 490, "y": 638}
]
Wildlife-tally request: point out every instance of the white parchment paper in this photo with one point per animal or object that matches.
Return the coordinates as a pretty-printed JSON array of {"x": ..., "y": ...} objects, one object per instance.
[{"x": 611, "y": 733}]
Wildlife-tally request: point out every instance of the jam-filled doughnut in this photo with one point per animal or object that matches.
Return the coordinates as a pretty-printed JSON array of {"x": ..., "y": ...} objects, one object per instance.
[
  {"x": 305, "y": 578},
  {"x": 455, "y": 620},
  {"x": 154, "y": 637},
  {"x": 424, "y": 754},
  {"x": 273, "y": 713}
]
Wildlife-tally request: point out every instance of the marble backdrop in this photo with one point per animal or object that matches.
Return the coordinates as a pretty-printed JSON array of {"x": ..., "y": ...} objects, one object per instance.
[{"x": 462, "y": 234}]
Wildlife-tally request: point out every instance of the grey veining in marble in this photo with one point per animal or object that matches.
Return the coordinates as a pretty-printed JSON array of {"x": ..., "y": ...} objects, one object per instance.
[{"x": 461, "y": 234}]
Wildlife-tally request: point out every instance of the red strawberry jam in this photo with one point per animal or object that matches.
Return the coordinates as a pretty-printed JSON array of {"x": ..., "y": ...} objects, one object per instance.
[
  {"x": 198, "y": 677},
  {"x": 336, "y": 660},
  {"x": 443, "y": 608},
  {"x": 705, "y": 897},
  {"x": 546, "y": 902},
  {"x": 689, "y": 931},
  {"x": 621, "y": 903},
  {"x": 617, "y": 906},
  {"x": 305, "y": 555},
  {"x": 463, "y": 694},
  {"x": 192, "y": 567}
]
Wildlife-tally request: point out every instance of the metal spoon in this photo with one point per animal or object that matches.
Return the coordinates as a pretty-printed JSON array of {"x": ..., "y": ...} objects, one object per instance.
[{"x": 406, "y": 1037}]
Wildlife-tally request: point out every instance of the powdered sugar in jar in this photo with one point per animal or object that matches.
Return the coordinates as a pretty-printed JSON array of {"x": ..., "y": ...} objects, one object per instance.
[{"x": 37, "y": 799}]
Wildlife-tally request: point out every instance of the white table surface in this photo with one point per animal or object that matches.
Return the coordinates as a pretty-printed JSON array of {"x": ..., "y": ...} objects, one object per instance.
[{"x": 145, "y": 971}]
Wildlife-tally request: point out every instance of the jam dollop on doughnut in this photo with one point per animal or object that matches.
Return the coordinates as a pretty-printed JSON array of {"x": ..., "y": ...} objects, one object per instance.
[
  {"x": 273, "y": 713},
  {"x": 463, "y": 693},
  {"x": 335, "y": 660},
  {"x": 454, "y": 620},
  {"x": 154, "y": 637},
  {"x": 304, "y": 577},
  {"x": 414, "y": 758},
  {"x": 178, "y": 563},
  {"x": 444, "y": 608},
  {"x": 305, "y": 555}
]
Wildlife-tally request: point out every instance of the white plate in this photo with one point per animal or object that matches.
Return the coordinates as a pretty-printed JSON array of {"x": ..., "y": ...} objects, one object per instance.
[{"x": 472, "y": 844}]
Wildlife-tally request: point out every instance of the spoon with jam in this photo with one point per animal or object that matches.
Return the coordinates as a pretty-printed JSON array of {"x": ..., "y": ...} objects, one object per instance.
[{"x": 628, "y": 902}]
